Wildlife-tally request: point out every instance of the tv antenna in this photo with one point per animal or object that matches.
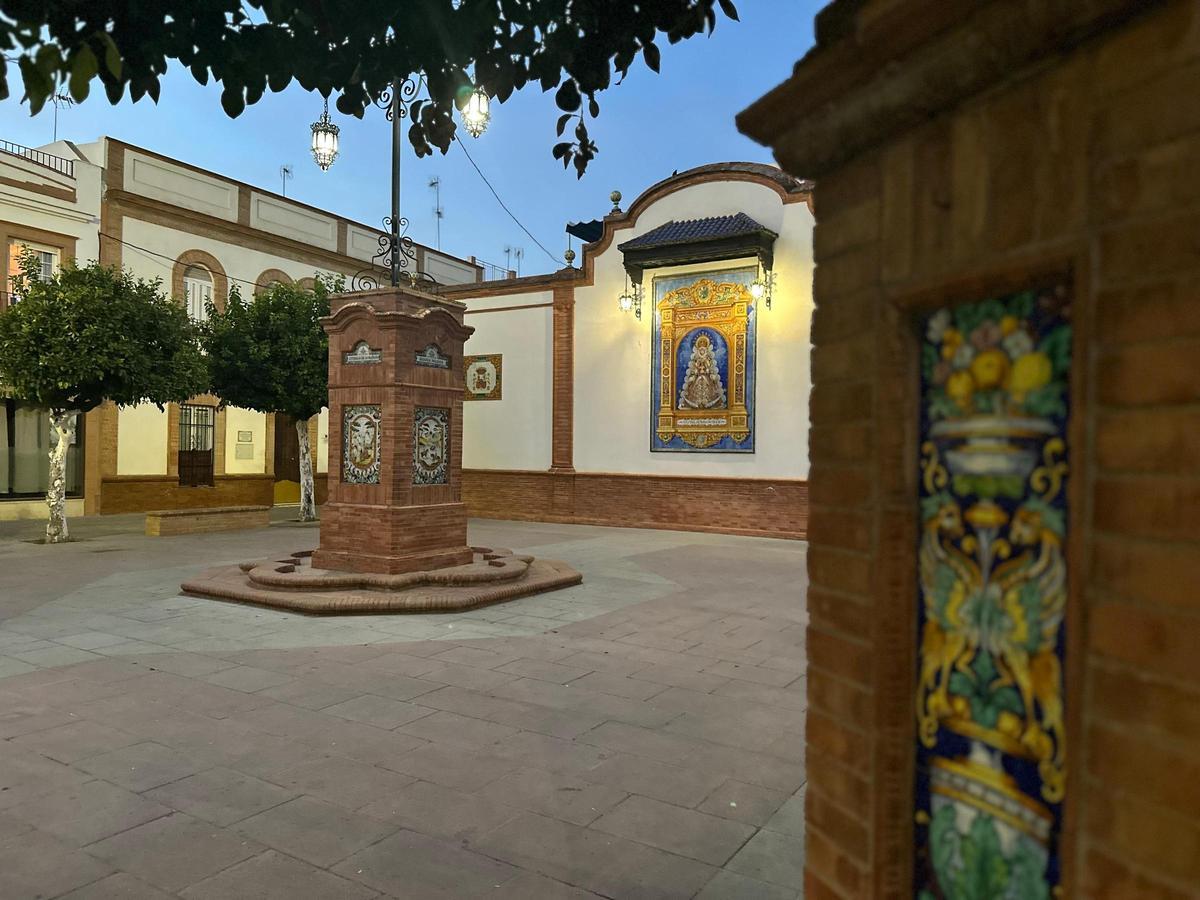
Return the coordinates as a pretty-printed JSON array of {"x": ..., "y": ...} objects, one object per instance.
[
  {"x": 285, "y": 172},
  {"x": 62, "y": 98},
  {"x": 435, "y": 184}
]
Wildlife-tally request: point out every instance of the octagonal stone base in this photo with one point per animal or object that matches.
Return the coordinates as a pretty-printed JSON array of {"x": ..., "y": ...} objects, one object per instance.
[{"x": 292, "y": 583}]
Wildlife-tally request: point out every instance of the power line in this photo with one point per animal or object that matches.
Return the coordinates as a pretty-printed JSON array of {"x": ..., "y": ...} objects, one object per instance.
[
  {"x": 171, "y": 259},
  {"x": 504, "y": 206}
]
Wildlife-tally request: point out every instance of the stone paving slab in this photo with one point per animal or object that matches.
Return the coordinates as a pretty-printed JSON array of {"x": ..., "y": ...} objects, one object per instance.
[{"x": 638, "y": 735}]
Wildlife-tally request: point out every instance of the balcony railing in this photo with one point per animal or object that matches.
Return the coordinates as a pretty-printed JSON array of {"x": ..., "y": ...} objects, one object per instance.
[{"x": 40, "y": 157}]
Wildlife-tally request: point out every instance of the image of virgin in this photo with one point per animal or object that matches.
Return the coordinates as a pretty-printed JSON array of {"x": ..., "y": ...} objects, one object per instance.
[{"x": 702, "y": 370}]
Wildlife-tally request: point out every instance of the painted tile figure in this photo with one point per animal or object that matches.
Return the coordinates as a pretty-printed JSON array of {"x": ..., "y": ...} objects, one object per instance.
[
  {"x": 431, "y": 445},
  {"x": 702, "y": 387},
  {"x": 360, "y": 444},
  {"x": 483, "y": 377},
  {"x": 991, "y": 754},
  {"x": 702, "y": 366}
]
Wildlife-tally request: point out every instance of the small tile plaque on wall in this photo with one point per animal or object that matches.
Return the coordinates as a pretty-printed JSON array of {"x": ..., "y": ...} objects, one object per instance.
[
  {"x": 431, "y": 445},
  {"x": 483, "y": 376},
  {"x": 361, "y": 427}
]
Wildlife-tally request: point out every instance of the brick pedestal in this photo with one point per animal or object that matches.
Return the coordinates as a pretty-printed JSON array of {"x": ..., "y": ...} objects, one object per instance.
[{"x": 395, "y": 434}]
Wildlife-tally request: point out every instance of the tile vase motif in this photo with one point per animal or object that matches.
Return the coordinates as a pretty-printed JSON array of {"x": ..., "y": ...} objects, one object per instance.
[
  {"x": 431, "y": 445},
  {"x": 361, "y": 435},
  {"x": 483, "y": 377},
  {"x": 991, "y": 749},
  {"x": 702, "y": 363}
]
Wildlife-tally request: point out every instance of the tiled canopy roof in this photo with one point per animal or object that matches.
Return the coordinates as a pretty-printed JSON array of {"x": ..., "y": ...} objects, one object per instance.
[{"x": 690, "y": 231}]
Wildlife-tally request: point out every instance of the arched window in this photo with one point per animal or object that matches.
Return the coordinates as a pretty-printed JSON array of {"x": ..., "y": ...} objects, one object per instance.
[{"x": 197, "y": 291}]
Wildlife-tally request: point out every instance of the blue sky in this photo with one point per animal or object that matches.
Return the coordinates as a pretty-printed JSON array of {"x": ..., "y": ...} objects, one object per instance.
[{"x": 649, "y": 126}]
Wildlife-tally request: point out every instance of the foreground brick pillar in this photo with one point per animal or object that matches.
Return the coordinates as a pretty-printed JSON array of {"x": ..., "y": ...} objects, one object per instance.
[
  {"x": 961, "y": 157},
  {"x": 395, "y": 434}
]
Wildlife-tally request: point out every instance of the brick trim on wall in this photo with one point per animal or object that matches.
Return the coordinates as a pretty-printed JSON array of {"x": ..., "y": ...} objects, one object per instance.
[
  {"x": 189, "y": 258},
  {"x": 269, "y": 277},
  {"x": 64, "y": 243},
  {"x": 760, "y": 507},
  {"x": 562, "y": 436}
]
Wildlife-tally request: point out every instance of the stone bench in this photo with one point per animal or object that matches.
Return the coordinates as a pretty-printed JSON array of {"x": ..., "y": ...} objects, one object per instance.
[{"x": 201, "y": 521}]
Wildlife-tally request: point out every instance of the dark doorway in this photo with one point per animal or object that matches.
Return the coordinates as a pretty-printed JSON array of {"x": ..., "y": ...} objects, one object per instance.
[
  {"x": 287, "y": 460},
  {"x": 196, "y": 429}
]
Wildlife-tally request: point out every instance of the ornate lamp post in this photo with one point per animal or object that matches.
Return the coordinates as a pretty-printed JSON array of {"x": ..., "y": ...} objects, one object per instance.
[{"x": 395, "y": 248}]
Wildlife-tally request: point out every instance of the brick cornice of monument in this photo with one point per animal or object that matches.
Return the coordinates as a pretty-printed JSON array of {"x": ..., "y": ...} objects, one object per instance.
[
  {"x": 350, "y": 313},
  {"x": 882, "y": 66}
]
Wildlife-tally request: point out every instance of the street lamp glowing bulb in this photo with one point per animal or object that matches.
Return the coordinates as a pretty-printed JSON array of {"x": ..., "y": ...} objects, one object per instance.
[
  {"x": 324, "y": 140},
  {"x": 626, "y": 301},
  {"x": 477, "y": 112},
  {"x": 757, "y": 290}
]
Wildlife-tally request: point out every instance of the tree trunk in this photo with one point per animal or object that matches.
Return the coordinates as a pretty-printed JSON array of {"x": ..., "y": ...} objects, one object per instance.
[
  {"x": 308, "y": 506},
  {"x": 62, "y": 428}
]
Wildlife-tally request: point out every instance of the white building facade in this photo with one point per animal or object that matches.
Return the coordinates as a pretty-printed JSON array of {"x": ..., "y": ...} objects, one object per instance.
[
  {"x": 588, "y": 390},
  {"x": 201, "y": 234}
]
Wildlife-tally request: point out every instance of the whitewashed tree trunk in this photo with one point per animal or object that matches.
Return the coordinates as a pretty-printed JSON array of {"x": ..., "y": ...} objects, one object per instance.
[
  {"x": 62, "y": 428},
  {"x": 308, "y": 506}
]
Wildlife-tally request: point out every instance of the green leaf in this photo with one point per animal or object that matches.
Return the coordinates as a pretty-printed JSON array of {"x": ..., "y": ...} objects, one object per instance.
[
  {"x": 232, "y": 102},
  {"x": 651, "y": 55},
  {"x": 112, "y": 56},
  {"x": 83, "y": 69},
  {"x": 729, "y": 9},
  {"x": 1057, "y": 346}
]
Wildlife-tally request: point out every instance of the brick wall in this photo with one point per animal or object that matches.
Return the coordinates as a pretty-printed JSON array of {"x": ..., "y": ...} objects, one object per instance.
[
  {"x": 1070, "y": 148},
  {"x": 749, "y": 506},
  {"x": 141, "y": 493}
]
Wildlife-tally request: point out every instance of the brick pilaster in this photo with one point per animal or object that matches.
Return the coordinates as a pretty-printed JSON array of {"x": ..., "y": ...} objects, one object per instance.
[{"x": 562, "y": 448}]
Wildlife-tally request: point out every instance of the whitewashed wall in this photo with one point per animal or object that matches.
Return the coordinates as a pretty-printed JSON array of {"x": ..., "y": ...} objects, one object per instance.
[
  {"x": 513, "y": 432},
  {"x": 612, "y": 357},
  {"x": 245, "y": 420},
  {"x": 612, "y": 348},
  {"x": 141, "y": 440}
]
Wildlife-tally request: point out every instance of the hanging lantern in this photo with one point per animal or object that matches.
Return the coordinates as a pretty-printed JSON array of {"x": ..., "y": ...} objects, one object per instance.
[
  {"x": 477, "y": 112},
  {"x": 631, "y": 298},
  {"x": 764, "y": 286},
  {"x": 324, "y": 140}
]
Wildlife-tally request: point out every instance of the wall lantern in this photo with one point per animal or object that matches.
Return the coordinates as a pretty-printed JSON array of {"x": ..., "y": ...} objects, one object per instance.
[
  {"x": 324, "y": 140},
  {"x": 631, "y": 298},
  {"x": 477, "y": 112},
  {"x": 763, "y": 286}
]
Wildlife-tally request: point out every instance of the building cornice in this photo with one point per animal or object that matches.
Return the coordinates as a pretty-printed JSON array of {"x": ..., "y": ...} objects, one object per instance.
[
  {"x": 135, "y": 206},
  {"x": 247, "y": 187},
  {"x": 789, "y": 188}
]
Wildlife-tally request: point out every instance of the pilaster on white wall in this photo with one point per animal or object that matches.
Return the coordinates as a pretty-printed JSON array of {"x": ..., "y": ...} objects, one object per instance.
[
  {"x": 513, "y": 432},
  {"x": 142, "y": 440}
]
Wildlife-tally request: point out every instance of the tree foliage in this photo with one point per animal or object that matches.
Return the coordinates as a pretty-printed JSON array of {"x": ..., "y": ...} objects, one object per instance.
[
  {"x": 354, "y": 48},
  {"x": 90, "y": 334},
  {"x": 271, "y": 354}
]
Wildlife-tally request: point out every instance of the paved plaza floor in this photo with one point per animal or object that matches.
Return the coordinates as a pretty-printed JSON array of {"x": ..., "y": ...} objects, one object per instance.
[{"x": 637, "y": 736}]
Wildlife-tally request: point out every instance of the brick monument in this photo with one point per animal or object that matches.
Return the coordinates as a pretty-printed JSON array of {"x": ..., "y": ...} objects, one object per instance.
[
  {"x": 395, "y": 434},
  {"x": 394, "y": 529},
  {"x": 1004, "y": 406}
]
